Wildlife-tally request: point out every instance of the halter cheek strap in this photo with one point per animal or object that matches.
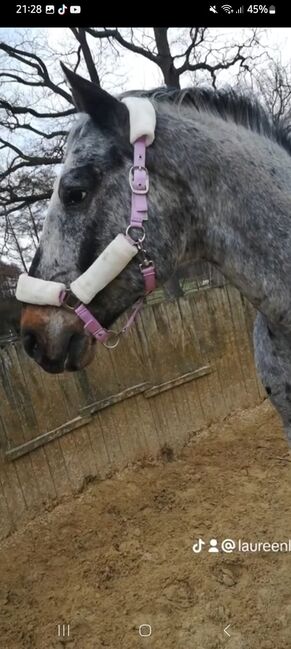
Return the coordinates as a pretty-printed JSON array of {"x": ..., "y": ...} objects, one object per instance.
[
  {"x": 139, "y": 184},
  {"x": 118, "y": 253}
]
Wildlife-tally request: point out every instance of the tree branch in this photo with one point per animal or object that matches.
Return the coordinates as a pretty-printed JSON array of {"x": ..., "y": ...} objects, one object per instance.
[
  {"x": 21, "y": 110},
  {"x": 28, "y": 127},
  {"x": 39, "y": 66},
  {"x": 115, "y": 34},
  {"x": 15, "y": 77},
  {"x": 164, "y": 58},
  {"x": 34, "y": 161},
  {"x": 80, "y": 35}
]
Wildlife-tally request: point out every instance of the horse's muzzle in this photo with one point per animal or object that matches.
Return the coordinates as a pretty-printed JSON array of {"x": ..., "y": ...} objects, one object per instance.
[{"x": 55, "y": 339}]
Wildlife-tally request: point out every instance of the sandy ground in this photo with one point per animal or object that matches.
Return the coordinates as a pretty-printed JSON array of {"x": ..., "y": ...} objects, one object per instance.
[{"x": 120, "y": 554}]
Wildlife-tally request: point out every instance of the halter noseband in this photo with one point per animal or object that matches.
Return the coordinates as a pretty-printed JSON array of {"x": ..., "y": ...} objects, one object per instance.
[{"x": 118, "y": 253}]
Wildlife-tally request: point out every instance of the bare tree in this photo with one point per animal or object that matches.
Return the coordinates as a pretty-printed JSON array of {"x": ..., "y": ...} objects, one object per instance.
[
  {"x": 275, "y": 90},
  {"x": 194, "y": 50}
]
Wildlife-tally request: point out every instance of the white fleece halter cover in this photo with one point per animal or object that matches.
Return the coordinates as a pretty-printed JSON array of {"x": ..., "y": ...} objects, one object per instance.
[
  {"x": 116, "y": 255},
  {"x": 142, "y": 118}
]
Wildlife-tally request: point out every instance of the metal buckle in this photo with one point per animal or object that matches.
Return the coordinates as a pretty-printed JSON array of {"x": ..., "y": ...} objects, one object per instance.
[
  {"x": 131, "y": 179},
  {"x": 146, "y": 263},
  {"x": 65, "y": 303},
  {"x": 112, "y": 335},
  {"x": 136, "y": 227}
]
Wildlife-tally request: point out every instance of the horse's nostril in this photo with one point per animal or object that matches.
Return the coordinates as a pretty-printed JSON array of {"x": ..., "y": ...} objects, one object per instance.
[{"x": 30, "y": 343}]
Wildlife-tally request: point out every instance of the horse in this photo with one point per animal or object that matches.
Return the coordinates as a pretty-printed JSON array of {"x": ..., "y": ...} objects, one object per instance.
[{"x": 220, "y": 192}]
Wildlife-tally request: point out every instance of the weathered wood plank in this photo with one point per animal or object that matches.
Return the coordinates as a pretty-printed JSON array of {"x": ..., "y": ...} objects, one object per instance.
[
  {"x": 179, "y": 380},
  {"x": 51, "y": 435},
  {"x": 19, "y": 401},
  {"x": 244, "y": 351},
  {"x": 115, "y": 398},
  {"x": 36, "y": 394},
  {"x": 196, "y": 358},
  {"x": 212, "y": 334}
]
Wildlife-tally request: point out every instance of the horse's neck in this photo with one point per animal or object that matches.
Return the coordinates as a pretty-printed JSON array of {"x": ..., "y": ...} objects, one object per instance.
[{"x": 241, "y": 186}]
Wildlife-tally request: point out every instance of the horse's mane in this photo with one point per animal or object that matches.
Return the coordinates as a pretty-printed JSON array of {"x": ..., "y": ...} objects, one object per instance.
[{"x": 229, "y": 104}]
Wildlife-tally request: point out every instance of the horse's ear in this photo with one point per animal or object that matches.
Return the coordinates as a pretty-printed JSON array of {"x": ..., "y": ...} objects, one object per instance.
[{"x": 106, "y": 111}]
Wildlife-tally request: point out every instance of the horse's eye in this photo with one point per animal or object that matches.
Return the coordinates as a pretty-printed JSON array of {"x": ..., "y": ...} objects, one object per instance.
[{"x": 74, "y": 196}]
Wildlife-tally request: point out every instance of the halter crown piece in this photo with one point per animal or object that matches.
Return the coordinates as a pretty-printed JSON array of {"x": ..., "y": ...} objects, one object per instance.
[{"x": 118, "y": 253}]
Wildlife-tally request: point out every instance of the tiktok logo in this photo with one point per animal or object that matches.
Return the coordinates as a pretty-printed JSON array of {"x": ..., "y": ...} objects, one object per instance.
[
  {"x": 62, "y": 10},
  {"x": 197, "y": 547}
]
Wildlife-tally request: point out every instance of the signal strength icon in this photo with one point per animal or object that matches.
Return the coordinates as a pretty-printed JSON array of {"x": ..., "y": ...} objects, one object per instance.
[
  {"x": 227, "y": 8},
  {"x": 240, "y": 10}
]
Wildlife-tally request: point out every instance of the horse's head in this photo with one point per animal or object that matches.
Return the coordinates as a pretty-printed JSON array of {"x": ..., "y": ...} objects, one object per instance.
[{"x": 89, "y": 206}]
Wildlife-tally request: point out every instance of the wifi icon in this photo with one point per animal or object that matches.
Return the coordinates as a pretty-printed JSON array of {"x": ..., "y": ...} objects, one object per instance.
[{"x": 227, "y": 8}]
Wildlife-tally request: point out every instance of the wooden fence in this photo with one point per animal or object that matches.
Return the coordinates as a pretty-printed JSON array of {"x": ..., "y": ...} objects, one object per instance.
[{"x": 186, "y": 364}]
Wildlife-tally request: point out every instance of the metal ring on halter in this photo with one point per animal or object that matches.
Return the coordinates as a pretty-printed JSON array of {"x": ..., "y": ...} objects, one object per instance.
[
  {"x": 135, "y": 227},
  {"x": 65, "y": 302},
  {"x": 112, "y": 334},
  {"x": 131, "y": 178}
]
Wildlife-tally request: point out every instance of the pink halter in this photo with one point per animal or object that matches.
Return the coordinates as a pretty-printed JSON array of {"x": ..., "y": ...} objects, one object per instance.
[{"x": 139, "y": 184}]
